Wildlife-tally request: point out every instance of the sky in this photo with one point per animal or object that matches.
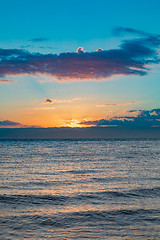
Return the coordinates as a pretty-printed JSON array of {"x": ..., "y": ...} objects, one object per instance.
[{"x": 80, "y": 64}]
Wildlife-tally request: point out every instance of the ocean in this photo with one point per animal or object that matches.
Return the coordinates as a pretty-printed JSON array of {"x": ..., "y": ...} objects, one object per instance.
[{"x": 80, "y": 189}]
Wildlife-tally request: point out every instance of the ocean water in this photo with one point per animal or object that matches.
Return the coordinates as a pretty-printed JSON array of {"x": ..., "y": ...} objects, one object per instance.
[{"x": 80, "y": 189}]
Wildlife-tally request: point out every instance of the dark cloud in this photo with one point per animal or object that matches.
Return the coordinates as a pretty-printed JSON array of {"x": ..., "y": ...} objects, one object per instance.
[
  {"x": 48, "y": 100},
  {"x": 133, "y": 57},
  {"x": 143, "y": 119},
  {"x": 12, "y": 124},
  {"x": 132, "y": 111},
  {"x": 8, "y": 123},
  {"x": 40, "y": 39}
]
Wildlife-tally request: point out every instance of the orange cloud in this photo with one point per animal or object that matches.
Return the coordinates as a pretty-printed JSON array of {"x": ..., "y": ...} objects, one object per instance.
[
  {"x": 6, "y": 81},
  {"x": 48, "y": 100},
  {"x": 115, "y": 104}
]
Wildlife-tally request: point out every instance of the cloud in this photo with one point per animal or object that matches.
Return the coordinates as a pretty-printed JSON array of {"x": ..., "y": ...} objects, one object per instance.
[
  {"x": 44, "y": 108},
  {"x": 12, "y": 124},
  {"x": 117, "y": 31},
  {"x": 80, "y": 50},
  {"x": 26, "y": 46},
  {"x": 44, "y": 47},
  {"x": 8, "y": 123},
  {"x": 115, "y": 104},
  {"x": 143, "y": 119},
  {"x": 6, "y": 81},
  {"x": 48, "y": 100},
  {"x": 40, "y": 39},
  {"x": 133, "y": 57}
]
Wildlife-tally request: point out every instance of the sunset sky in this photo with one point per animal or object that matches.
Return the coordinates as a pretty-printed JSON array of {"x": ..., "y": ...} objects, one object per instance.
[{"x": 79, "y": 63}]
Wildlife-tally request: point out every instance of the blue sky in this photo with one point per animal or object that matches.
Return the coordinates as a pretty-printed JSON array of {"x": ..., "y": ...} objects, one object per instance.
[{"x": 55, "y": 27}]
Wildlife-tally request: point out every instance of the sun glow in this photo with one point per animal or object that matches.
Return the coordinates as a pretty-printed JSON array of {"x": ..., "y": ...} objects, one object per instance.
[{"x": 74, "y": 123}]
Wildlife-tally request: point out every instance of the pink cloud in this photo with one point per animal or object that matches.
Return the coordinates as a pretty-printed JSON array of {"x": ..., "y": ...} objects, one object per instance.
[
  {"x": 6, "y": 81},
  {"x": 80, "y": 49}
]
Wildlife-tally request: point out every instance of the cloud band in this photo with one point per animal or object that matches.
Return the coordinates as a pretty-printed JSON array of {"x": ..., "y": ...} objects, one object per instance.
[{"x": 132, "y": 58}]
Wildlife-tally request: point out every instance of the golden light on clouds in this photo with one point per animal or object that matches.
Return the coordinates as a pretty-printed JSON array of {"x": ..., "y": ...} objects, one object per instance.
[{"x": 73, "y": 123}]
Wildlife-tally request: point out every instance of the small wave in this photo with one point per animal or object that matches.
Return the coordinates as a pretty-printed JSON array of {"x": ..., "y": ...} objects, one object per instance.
[
  {"x": 33, "y": 199},
  {"x": 92, "y": 197},
  {"x": 146, "y": 192},
  {"x": 134, "y": 193},
  {"x": 81, "y": 171},
  {"x": 123, "y": 217},
  {"x": 5, "y": 187},
  {"x": 42, "y": 183},
  {"x": 108, "y": 179}
]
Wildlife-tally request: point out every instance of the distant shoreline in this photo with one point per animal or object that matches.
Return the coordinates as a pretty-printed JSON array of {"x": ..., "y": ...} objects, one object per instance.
[{"x": 79, "y": 133}]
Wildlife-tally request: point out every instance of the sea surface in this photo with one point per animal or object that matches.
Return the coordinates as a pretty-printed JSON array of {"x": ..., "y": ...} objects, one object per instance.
[{"x": 80, "y": 189}]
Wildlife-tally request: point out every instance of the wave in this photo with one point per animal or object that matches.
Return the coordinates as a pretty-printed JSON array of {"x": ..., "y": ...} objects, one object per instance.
[
  {"x": 81, "y": 171},
  {"x": 32, "y": 199},
  {"x": 123, "y": 217},
  {"x": 76, "y": 199}
]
